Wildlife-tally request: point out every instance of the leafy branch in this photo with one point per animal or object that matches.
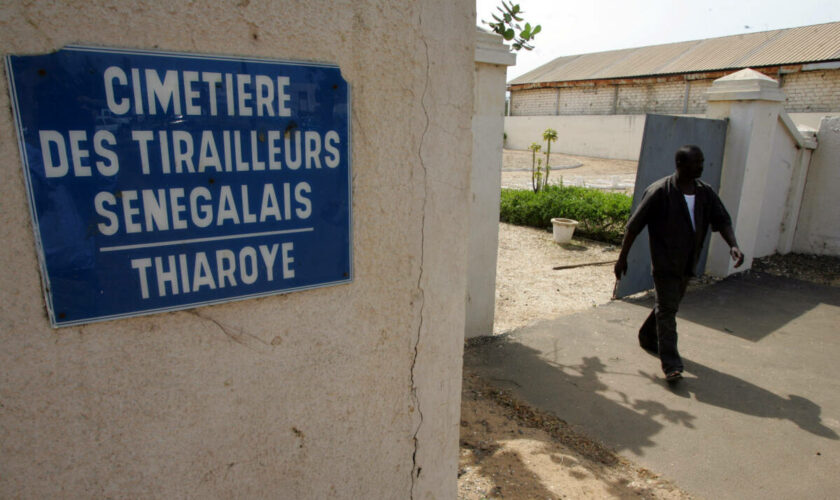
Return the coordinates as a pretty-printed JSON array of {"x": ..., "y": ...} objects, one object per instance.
[{"x": 508, "y": 26}]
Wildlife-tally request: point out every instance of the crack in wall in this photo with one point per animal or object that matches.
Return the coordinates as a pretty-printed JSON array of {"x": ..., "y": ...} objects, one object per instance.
[
  {"x": 242, "y": 338},
  {"x": 415, "y": 469}
]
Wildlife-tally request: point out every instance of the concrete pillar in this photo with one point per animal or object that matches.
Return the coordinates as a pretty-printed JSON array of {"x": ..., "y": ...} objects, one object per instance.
[
  {"x": 492, "y": 58},
  {"x": 751, "y": 102}
]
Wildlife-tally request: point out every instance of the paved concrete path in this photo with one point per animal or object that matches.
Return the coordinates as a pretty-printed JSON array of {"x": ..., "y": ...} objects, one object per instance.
[{"x": 757, "y": 416}]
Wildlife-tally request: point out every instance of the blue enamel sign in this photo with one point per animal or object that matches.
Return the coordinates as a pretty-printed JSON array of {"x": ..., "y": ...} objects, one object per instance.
[{"x": 160, "y": 181}]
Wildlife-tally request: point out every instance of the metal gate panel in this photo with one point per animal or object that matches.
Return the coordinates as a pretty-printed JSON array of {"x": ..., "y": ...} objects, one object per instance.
[{"x": 663, "y": 135}]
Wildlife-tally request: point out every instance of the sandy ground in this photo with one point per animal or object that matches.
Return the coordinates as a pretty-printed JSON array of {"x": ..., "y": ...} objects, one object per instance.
[
  {"x": 528, "y": 289},
  {"x": 570, "y": 170}
]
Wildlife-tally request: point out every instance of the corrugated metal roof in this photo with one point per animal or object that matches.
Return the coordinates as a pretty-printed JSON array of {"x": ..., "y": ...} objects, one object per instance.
[
  {"x": 806, "y": 44},
  {"x": 649, "y": 57},
  {"x": 718, "y": 53},
  {"x": 590, "y": 66}
]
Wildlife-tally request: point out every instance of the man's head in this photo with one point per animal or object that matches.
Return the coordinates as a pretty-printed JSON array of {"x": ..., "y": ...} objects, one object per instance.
[{"x": 689, "y": 161}]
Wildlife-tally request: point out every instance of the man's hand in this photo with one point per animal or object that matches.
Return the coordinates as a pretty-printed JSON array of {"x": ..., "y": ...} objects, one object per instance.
[
  {"x": 620, "y": 267},
  {"x": 621, "y": 263},
  {"x": 729, "y": 237},
  {"x": 737, "y": 256}
]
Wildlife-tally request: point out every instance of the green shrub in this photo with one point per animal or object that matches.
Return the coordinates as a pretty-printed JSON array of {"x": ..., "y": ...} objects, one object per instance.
[{"x": 601, "y": 215}]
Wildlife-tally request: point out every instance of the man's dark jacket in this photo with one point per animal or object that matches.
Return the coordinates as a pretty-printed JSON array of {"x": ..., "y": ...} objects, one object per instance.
[{"x": 674, "y": 245}]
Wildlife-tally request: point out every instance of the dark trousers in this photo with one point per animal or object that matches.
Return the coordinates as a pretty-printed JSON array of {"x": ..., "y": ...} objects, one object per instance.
[{"x": 659, "y": 332}]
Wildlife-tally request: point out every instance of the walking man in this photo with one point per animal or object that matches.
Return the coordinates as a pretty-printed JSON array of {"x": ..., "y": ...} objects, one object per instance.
[{"x": 677, "y": 211}]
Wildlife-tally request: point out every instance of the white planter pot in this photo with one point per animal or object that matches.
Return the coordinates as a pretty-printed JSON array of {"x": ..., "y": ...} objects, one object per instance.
[{"x": 563, "y": 229}]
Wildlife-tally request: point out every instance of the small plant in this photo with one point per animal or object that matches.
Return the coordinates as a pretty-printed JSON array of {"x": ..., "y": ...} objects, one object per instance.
[
  {"x": 508, "y": 26},
  {"x": 549, "y": 136},
  {"x": 536, "y": 174}
]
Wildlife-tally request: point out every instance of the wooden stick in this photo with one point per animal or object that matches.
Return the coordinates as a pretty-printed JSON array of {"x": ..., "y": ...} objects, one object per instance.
[{"x": 572, "y": 266}]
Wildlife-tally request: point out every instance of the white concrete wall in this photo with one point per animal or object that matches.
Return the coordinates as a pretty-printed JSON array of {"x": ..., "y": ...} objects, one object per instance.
[
  {"x": 608, "y": 136},
  {"x": 342, "y": 392},
  {"x": 780, "y": 171},
  {"x": 618, "y": 137},
  {"x": 818, "y": 229},
  {"x": 810, "y": 120}
]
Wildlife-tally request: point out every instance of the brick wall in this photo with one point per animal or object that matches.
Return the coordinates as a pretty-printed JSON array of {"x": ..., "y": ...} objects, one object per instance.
[
  {"x": 651, "y": 98},
  {"x": 807, "y": 91},
  {"x": 533, "y": 102},
  {"x": 812, "y": 91},
  {"x": 595, "y": 100},
  {"x": 697, "y": 96}
]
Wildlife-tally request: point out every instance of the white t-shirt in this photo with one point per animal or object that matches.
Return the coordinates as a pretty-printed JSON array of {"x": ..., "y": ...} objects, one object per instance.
[{"x": 689, "y": 200}]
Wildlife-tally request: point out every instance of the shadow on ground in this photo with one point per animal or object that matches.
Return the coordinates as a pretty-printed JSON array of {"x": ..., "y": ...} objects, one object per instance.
[
  {"x": 561, "y": 389},
  {"x": 790, "y": 299},
  {"x": 627, "y": 422},
  {"x": 712, "y": 387}
]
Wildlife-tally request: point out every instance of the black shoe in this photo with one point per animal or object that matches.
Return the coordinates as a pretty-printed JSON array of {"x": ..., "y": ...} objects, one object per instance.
[{"x": 673, "y": 376}]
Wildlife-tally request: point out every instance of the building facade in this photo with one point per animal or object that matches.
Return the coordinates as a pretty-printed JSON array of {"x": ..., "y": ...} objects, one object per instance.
[{"x": 673, "y": 78}]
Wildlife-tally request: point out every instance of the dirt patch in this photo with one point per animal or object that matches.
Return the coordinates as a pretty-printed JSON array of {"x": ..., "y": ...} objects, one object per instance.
[
  {"x": 509, "y": 450},
  {"x": 821, "y": 269}
]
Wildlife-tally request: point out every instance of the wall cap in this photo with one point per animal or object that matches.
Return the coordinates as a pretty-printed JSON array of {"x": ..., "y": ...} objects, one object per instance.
[
  {"x": 490, "y": 48},
  {"x": 798, "y": 134},
  {"x": 745, "y": 85}
]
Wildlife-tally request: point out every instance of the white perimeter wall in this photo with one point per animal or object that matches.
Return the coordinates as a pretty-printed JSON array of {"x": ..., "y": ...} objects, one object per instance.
[
  {"x": 603, "y": 136},
  {"x": 783, "y": 163},
  {"x": 343, "y": 392},
  {"x": 617, "y": 137},
  {"x": 818, "y": 230}
]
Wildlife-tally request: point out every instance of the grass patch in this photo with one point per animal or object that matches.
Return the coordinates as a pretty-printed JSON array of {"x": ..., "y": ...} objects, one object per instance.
[{"x": 601, "y": 215}]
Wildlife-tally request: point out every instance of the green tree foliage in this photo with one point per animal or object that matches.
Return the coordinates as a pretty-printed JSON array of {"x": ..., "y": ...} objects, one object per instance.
[{"x": 508, "y": 26}]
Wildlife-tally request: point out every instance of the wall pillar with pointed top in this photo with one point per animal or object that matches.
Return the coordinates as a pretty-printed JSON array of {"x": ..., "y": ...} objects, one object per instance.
[{"x": 752, "y": 103}]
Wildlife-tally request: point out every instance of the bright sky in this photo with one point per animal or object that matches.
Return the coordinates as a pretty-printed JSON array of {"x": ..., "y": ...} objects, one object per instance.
[{"x": 583, "y": 26}]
